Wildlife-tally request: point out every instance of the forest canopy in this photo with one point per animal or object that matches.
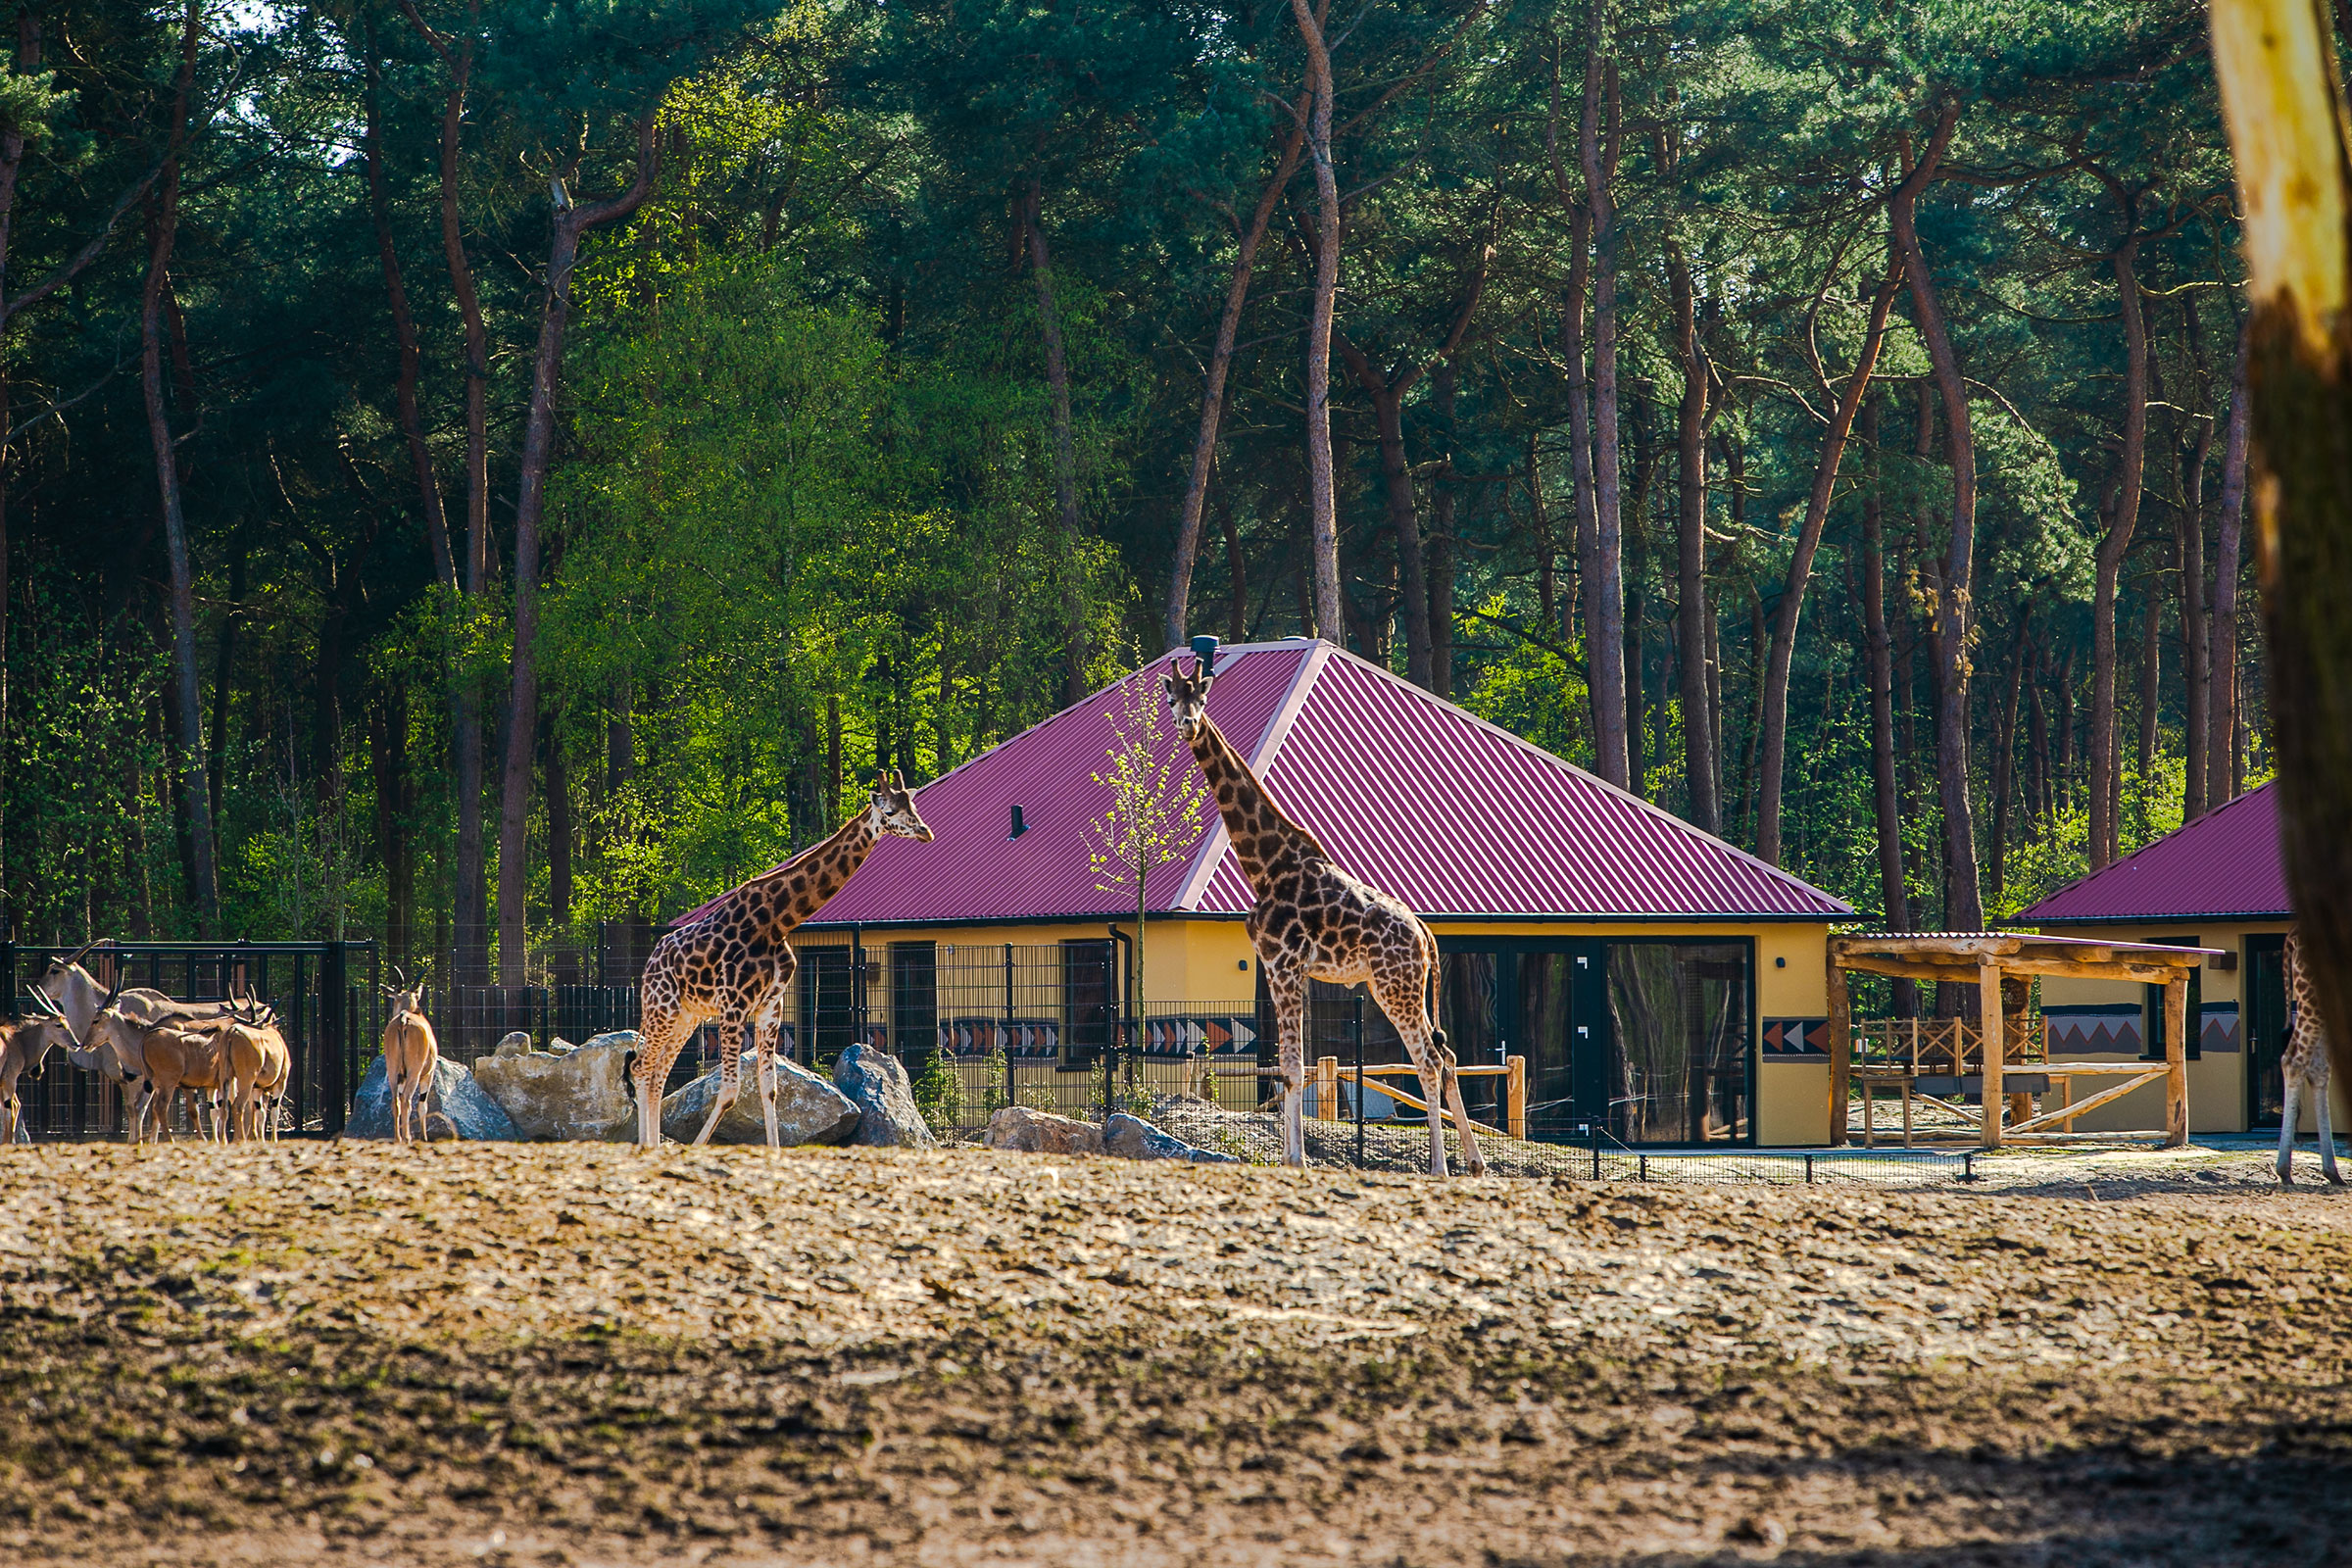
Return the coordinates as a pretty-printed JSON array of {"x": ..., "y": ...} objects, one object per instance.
[{"x": 474, "y": 471}]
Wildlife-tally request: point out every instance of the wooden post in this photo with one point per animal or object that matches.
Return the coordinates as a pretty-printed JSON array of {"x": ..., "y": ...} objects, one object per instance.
[
  {"x": 1515, "y": 1096},
  {"x": 1327, "y": 1089},
  {"x": 1841, "y": 1046},
  {"x": 1991, "y": 1053},
  {"x": 2175, "y": 1062}
]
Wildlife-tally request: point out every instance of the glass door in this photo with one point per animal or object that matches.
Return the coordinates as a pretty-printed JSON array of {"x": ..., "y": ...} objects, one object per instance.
[{"x": 2262, "y": 1011}]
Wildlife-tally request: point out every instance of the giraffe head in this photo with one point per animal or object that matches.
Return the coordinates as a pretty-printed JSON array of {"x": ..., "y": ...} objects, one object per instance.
[
  {"x": 894, "y": 809},
  {"x": 1188, "y": 695}
]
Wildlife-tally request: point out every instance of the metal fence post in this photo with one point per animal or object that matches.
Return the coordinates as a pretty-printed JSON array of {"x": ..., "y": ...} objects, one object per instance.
[
  {"x": 1359, "y": 1083},
  {"x": 331, "y": 1093},
  {"x": 1597, "y": 1151},
  {"x": 1004, "y": 1037}
]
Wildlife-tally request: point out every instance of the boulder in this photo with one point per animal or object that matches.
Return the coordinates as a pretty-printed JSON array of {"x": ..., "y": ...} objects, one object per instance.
[
  {"x": 475, "y": 1115},
  {"x": 876, "y": 1084},
  {"x": 1133, "y": 1138},
  {"x": 580, "y": 1096},
  {"x": 809, "y": 1109},
  {"x": 513, "y": 1044},
  {"x": 1039, "y": 1132}
]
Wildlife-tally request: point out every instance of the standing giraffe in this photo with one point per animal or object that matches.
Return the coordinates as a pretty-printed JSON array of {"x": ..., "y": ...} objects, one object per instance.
[
  {"x": 733, "y": 964},
  {"x": 2303, "y": 1066},
  {"x": 1314, "y": 921}
]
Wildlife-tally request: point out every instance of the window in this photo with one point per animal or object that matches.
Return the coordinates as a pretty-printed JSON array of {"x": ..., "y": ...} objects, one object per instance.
[
  {"x": 2154, "y": 1032},
  {"x": 914, "y": 1001},
  {"x": 1677, "y": 1061},
  {"x": 1090, "y": 993}
]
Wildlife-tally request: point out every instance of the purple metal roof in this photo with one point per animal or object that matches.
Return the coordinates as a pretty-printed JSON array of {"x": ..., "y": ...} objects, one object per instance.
[
  {"x": 1458, "y": 817},
  {"x": 1417, "y": 797},
  {"x": 2225, "y": 863}
]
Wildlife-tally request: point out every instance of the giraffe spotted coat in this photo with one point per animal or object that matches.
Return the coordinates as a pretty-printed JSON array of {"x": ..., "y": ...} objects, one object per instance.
[
  {"x": 1314, "y": 921},
  {"x": 734, "y": 964}
]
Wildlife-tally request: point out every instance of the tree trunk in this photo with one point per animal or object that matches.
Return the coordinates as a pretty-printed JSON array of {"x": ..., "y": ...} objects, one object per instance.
[
  {"x": 2064, "y": 782},
  {"x": 1616, "y": 699},
  {"x": 2221, "y": 742},
  {"x": 531, "y": 501},
  {"x": 2005, "y": 766},
  {"x": 1555, "y": 618},
  {"x": 1322, "y": 501},
  {"x": 1443, "y": 386},
  {"x": 1212, "y": 391},
  {"x": 187, "y": 706},
  {"x": 1964, "y": 904},
  {"x": 403, "y": 329},
  {"x": 1397, "y": 481},
  {"x": 1585, "y": 542},
  {"x": 2106, "y": 751},
  {"x": 2037, "y": 749},
  {"x": 471, "y": 936},
  {"x": 1772, "y": 764},
  {"x": 388, "y": 745},
  {"x": 2195, "y": 675},
  {"x": 2151, "y": 677},
  {"x": 1237, "y": 587},
  {"x": 1065, "y": 449},
  {"x": 1887, "y": 799},
  {"x": 558, "y": 787},
  {"x": 1690, "y": 547}
]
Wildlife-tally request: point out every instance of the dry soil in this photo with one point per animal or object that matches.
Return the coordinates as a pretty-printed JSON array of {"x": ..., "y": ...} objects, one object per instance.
[{"x": 576, "y": 1355}]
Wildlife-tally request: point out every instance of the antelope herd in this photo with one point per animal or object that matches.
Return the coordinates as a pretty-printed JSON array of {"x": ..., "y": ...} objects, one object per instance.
[{"x": 228, "y": 1057}]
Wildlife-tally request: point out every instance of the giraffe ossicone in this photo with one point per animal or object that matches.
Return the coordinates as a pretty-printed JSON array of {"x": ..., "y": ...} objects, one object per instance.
[
  {"x": 1314, "y": 921},
  {"x": 734, "y": 964}
]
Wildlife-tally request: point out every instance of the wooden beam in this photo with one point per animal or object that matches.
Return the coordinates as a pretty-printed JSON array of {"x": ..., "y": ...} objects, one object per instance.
[
  {"x": 1989, "y": 1032},
  {"x": 1841, "y": 1046},
  {"x": 2176, "y": 1064},
  {"x": 1960, "y": 971},
  {"x": 1515, "y": 1096},
  {"x": 2069, "y": 1111},
  {"x": 1931, "y": 942}
]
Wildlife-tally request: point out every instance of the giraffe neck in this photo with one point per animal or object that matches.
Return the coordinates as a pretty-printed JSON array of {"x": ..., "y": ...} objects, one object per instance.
[
  {"x": 1258, "y": 829},
  {"x": 803, "y": 886}
]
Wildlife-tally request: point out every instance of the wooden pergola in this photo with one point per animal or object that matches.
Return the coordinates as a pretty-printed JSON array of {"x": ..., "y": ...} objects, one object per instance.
[{"x": 1983, "y": 958}]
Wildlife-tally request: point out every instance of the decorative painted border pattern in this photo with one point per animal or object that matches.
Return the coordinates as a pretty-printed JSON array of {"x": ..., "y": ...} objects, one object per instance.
[{"x": 1789, "y": 1038}]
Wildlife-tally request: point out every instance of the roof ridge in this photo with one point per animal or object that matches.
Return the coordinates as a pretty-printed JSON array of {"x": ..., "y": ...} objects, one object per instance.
[
  {"x": 1211, "y": 855},
  {"x": 1650, "y": 808}
]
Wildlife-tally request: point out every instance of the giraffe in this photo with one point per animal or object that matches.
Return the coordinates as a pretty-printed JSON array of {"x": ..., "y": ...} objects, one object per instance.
[
  {"x": 733, "y": 964},
  {"x": 2303, "y": 1066},
  {"x": 1312, "y": 920}
]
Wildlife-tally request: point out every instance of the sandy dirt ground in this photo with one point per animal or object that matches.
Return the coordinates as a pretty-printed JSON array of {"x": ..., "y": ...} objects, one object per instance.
[{"x": 575, "y": 1354}]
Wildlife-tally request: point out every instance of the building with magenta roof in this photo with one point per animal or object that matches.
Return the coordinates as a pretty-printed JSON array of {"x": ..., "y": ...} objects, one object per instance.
[
  {"x": 2217, "y": 882},
  {"x": 1657, "y": 981}
]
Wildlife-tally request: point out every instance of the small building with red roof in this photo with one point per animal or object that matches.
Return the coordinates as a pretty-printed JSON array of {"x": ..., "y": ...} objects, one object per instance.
[
  {"x": 1658, "y": 981},
  {"x": 2217, "y": 882}
]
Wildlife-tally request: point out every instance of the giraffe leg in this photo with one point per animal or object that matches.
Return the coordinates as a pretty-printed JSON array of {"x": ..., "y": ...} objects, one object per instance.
[
  {"x": 1474, "y": 1164},
  {"x": 1288, "y": 988},
  {"x": 765, "y": 1045},
  {"x": 2327, "y": 1137},
  {"x": 730, "y": 1083},
  {"x": 2287, "y": 1114}
]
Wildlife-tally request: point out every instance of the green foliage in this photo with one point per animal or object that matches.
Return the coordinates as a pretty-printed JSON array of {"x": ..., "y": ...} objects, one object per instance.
[{"x": 939, "y": 1097}]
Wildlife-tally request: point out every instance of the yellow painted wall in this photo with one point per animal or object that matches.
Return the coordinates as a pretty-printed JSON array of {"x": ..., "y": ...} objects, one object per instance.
[
  {"x": 1210, "y": 960},
  {"x": 2216, "y": 1082},
  {"x": 1793, "y": 1102}
]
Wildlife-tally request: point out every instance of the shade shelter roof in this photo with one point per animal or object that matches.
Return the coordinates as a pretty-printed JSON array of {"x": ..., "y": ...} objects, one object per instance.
[
  {"x": 1984, "y": 960},
  {"x": 2224, "y": 866},
  {"x": 1454, "y": 815}
]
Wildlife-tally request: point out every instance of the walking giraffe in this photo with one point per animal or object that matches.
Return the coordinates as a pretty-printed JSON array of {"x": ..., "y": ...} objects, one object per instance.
[
  {"x": 1312, "y": 920},
  {"x": 733, "y": 964},
  {"x": 2303, "y": 1066}
]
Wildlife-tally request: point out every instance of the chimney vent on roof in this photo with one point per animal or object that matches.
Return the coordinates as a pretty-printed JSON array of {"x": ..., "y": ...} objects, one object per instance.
[{"x": 1019, "y": 827}]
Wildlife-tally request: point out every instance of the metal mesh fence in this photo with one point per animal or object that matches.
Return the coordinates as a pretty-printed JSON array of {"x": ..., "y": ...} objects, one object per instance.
[{"x": 979, "y": 1027}]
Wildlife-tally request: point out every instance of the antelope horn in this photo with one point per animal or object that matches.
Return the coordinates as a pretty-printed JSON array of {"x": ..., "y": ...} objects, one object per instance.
[
  {"x": 80, "y": 952},
  {"x": 58, "y": 1015}
]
